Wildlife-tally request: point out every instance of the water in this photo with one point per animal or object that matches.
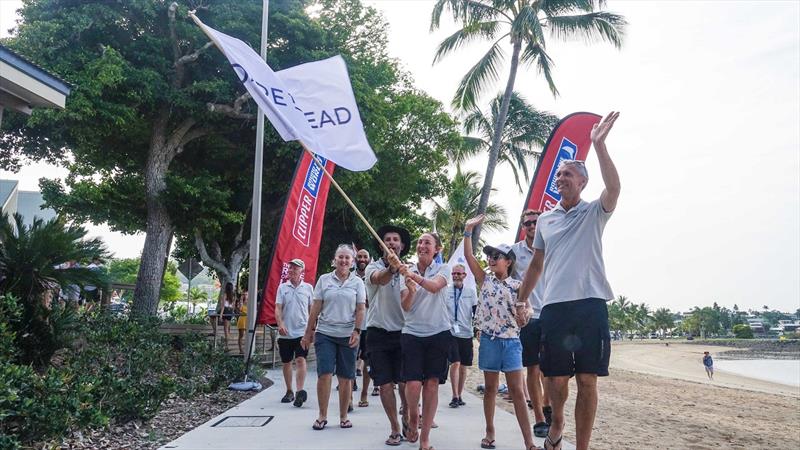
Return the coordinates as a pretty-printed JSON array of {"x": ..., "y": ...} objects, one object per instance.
[{"x": 774, "y": 370}]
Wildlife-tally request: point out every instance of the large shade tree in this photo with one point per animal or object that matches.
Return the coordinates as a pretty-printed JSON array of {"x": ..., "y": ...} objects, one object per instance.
[{"x": 523, "y": 25}]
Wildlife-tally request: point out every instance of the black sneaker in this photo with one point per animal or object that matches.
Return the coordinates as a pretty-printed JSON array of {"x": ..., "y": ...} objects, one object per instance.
[
  {"x": 461, "y": 402},
  {"x": 350, "y": 408},
  {"x": 288, "y": 398},
  {"x": 355, "y": 386},
  {"x": 454, "y": 402},
  {"x": 541, "y": 429},
  {"x": 548, "y": 414},
  {"x": 302, "y": 396}
]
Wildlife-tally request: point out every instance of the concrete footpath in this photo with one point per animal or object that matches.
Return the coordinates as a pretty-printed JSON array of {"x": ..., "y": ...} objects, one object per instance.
[{"x": 262, "y": 422}]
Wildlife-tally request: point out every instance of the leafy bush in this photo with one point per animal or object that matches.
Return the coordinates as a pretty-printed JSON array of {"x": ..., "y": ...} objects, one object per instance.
[
  {"x": 742, "y": 331},
  {"x": 117, "y": 370}
]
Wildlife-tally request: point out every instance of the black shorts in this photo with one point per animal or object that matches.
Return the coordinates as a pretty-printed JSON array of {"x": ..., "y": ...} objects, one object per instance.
[
  {"x": 362, "y": 346},
  {"x": 426, "y": 357},
  {"x": 531, "y": 337},
  {"x": 290, "y": 349},
  {"x": 575, "y": 338},
  {"x": 461, "y": 351},
  {"x": 227, "y": 314},
  {"x": 385, "y": 356}
]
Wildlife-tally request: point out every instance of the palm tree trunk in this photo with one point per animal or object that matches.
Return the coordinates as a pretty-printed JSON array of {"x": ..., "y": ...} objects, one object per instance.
[{"x": 494, "y": 151}]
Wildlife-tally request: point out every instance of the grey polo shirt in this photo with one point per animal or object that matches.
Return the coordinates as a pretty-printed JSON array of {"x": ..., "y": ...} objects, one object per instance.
[
  {"x": 428, "y": 315},
  {"x": 339, "y": 299},
  {"x": 573, "y": 252},
  {"x": 524, "y": 256},
  {"x": 460, "y": 302},
  {"x": 294, "y": 303},
  {"x": 384, "y": 300}
]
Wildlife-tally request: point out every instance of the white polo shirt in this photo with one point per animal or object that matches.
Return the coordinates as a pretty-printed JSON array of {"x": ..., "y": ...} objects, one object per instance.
[
  {"x": 573, "y": 252},
  {"x": 294, "y": 309},
  {"x": 339, "y": 299},
  {"x": 524, "y": 256},
  {"x": 460, "y": 302},
  {"x": 384, "y": 300},
  {"x": 428, "y": 314}
]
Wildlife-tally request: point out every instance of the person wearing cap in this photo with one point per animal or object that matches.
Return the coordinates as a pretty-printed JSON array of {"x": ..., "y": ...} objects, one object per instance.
[
  {"x": 292, "y": 305},
  {"x": 334, "y": 328},
  {"x": 499, "y": 317},
  {"x": 426, "y": 335},
  {"x": 461, "y": 304},
  {"x": 530, "y": 335},
  {"x": 568, "y": 258},
  {"x": 385, "y": 324}
]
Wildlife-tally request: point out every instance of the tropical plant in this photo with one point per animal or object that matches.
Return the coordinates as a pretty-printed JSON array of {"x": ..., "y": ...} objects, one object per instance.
[
  {"x": 526, "y": 131},
  {"x": 663, "y": 320},
  {"x": 32, "y": 268},
  {"x": 197, "y": 295},
  {"x": 523, "y": 24},
  {"x": 461, "y": 204},
  {"x": 742, "y": 331}
]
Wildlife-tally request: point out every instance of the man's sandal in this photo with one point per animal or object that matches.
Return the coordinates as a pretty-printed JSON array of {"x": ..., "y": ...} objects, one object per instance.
[
  {"x": 487, "y": 443},
  {"x": 554, "y": 445},
  {"x": 394, "y": 440},
  {"x": 319, "y": 424},
  {"x": 534, "y": 447},
  {"x": 363, "y": 403},
  {"x": 345, "y": 424}
]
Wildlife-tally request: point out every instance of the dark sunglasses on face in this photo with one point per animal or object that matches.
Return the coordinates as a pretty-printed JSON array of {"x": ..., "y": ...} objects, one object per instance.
[
  {"x": 496, "y": 256},
  {"x": 528, "y": 223}
]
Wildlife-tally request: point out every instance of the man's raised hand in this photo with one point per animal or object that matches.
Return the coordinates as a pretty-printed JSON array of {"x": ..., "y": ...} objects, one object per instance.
[{"x": 600, "y": 130}]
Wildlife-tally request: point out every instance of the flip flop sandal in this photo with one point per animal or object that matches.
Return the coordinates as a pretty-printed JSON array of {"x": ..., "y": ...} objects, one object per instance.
[
  {"x": 412, "y": 437},
  {"x": 554, "y": 445},
  {"x": 534, "y": 447},
  {"x": 427, "y": 448},
  {"x": 486, "y": 443},
  {"x": 319, "y": 424},
  {"x": 346, "y": 424},
  {"x": 394, "y": 440},
  {"x": 363, "y": 403}
]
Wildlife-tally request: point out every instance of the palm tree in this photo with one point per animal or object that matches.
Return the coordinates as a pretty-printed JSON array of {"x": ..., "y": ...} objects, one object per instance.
[
  {"x": 461, "y": 204},
  {"x": 526, "y": 131},
  {"x": 196, "y": 295},
  {"x": 31, "y": 267},
  {"x": 663, "y": 320},
  {"x": 523, "y": 23}
]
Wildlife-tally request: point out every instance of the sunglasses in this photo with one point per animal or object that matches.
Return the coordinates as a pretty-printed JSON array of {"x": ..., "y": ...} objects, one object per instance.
[
  {"x": 496, "y": 256},
  {"x": 528, "y": 223}
]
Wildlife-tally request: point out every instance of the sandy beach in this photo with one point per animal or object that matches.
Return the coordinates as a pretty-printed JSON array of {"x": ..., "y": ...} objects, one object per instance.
[{"x": 658, "y": 397}]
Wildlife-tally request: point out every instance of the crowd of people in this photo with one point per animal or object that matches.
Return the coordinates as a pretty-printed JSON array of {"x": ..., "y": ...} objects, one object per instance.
[{"x": 539, "y": 314}]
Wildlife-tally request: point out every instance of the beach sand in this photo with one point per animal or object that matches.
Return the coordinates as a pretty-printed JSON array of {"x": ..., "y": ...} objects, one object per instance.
[{"x": 658, "y": 397}]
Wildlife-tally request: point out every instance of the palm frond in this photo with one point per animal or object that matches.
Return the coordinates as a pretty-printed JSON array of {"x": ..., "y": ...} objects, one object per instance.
[
  {"x": 604, "y": 26},
  {"x": 477, "y": 122},
  {"x": 471, "y": 32},
  {"x": 484, "y": 72},
  {"x": 558, "y": 7},
  {"x": 525, "y": 20},
  {"x": 535, "y": 54},
  {"x": 465, "y": 11}
]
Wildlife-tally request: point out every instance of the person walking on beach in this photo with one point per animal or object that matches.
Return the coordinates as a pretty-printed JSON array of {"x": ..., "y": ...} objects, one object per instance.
[
  {"x": 292, "y": 304},
  {"x": 568, "y": 250},
  {"x": 426, "y": 335},
  {"x": 499, "y": 317},
  {"x": 708, "y": 363},
  {"x": 335, "y": 328},
  {"x": 531, "y": 333},
  {"x": 385, "y": 325},
  {"x": 461, "y": 305}
]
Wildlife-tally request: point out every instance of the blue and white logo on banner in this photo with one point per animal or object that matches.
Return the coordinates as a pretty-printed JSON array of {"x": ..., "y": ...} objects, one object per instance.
[{"x": 566, "y": 151}]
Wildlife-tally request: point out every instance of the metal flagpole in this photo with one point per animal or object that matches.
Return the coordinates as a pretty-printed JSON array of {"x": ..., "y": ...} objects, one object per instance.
[{"x": 255, "y": 222}]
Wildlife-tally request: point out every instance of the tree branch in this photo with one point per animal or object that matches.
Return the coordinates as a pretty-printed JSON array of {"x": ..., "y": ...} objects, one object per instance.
[
  {"x": 204, "y": 256},
  {"x": 234, "y": 111},
  {"x": 179, "y": 133},
  {"x": 191, "y": 57}
]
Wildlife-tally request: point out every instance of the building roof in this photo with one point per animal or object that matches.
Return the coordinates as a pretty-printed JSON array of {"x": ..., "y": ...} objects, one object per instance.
[{"x": 24, "y": 85}]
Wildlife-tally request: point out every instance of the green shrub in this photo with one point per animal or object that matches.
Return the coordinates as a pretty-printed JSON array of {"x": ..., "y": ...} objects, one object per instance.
[{"x": 742, "y": 331}]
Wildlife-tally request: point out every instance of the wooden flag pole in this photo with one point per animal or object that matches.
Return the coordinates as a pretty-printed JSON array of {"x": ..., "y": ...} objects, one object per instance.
[{"x": 346, "y": 198}]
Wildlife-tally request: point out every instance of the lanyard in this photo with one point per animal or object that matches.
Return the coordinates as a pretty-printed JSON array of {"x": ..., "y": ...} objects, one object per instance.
[{"x": 456, "y": 296}]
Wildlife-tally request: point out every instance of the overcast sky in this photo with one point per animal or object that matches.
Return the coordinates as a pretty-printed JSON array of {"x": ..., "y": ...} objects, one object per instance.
[{"x": 707, "y": 144}]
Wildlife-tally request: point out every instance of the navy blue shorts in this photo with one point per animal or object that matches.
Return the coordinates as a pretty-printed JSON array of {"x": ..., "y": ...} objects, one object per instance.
[
  {"x": 461, "y": 351},
  {"x": 334, "y": 355},
  {"x": 531, "y": 337},
  {"x": 575, "y": 338}
]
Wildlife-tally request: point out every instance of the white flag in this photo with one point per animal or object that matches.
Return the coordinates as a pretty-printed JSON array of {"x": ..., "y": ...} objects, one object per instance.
[
  {"x": 458, "y": 258},
  {"x": 313, "y": 102}
]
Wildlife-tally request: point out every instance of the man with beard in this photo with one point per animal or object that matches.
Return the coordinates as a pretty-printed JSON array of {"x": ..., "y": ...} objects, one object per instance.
[
  {"x": 362, "y": 261},
  {"x": 385, "y": 323}
]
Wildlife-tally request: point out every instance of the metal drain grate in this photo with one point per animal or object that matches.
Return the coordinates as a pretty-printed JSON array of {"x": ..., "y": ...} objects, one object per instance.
[{"x": 243, "y": 421}]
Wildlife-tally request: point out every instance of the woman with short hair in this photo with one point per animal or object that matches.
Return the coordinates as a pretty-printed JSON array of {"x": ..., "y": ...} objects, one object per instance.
[
  {"x": 336, "y": 314},
  {"x": 426, "y": 335}
]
